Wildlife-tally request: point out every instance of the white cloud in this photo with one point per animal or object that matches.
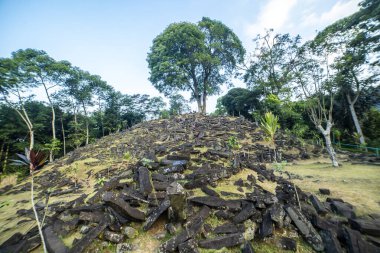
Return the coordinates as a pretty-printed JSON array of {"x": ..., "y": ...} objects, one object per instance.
[
  {"x": 313, "y": 21},
  {"x": 274, "y": 15}
]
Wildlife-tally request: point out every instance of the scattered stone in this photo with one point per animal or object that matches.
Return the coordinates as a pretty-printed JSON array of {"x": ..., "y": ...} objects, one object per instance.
[
  {"x": 113, "y": 237},
  {"x": 124, "y": 248},
  {"x": 130, "y": 232},
  {"x": 324, "y": 191},
  {"x": 155, "y": 214},
  {"x": 123, "y": 207},
  {"x": 277, "y": 214},
  {"x": 89, "y": 237},
  {"x": 195, "y": 225},
  {"x": 306, "y": 229},
  {"x": 343, "y": 209},
  {"x": 266, "y": 226},
  {"x": 177, "y": 197},
  {"x": 369, "y": 227},
  {"x": 330, "y": 241},
  {"x": 247, "y": 247},
  {"x": 319, "y": 207},
  {"x": 170, "y": 228},
  {"x": 356, "y": 243},
  {"x": 209, "y": 191},
  {"x": 287, "y": 244},
  {"x": 91, "y": 216},
  {"x": 222, "y": 241},
  {"x": 189, "y": 246},
  {"x": 52, "y": 241},
  {"x": 145, "y": 181},
  {"x": 247, "y": 211},
  {"x": 229, "y": 228},
  {"x": 84, "y": 229}
]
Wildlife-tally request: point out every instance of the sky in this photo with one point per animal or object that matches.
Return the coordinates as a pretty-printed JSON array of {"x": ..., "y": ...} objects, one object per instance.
[{"x": 111, "y": 38}]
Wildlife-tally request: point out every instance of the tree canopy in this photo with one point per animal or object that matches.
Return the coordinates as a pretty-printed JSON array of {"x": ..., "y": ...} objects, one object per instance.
[{"x": 194, "y": 57}]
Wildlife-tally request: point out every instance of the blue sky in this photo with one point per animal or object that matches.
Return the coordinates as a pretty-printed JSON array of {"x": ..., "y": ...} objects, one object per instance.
[{"x": 111, "y": 38}]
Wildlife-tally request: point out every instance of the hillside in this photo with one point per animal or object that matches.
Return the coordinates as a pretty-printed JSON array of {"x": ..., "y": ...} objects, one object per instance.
[{"x": 169, "y": 185}]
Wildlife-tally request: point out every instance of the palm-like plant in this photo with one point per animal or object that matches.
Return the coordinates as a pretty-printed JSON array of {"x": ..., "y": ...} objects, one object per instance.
[
  {"x": 269, "y": 124},
  {"x": 34, "y": 160}
]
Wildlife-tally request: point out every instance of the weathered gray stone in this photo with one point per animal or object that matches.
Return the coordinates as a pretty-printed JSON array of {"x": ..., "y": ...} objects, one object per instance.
[
  {"x": 122, "y": 207},
  {"x": 330, "y": 241},
  {"x": 209, "y": 191},
  {"x": 53, "y": 243},
  {"x": 189, "y": 246},
  {"x": 113, "y": 237},
  {"x": 222, "y": 241},
  {"x": 130, "y": 232},
  {"x": 287, "y": 244},
  {"x": 155, "y": 214},
  {"x": 145, "y": 181},
  {"x": 369, "y": 227},
  {"x": 343, "y": 209},
  {"x": 305, "y": 227},
  {"x": 177, "y": 197},
  {"x": 277, "y": 214},
  {"x": 124, "y": 248},
  {"x": 83, "y": 243},
  {"x": 247, "y": 211},
  {"x": 319, "y": 207},
  {"x": 266, "y": 226},
  {"x": 229, "y": 228},
  {"x": 247, "y": 248}
]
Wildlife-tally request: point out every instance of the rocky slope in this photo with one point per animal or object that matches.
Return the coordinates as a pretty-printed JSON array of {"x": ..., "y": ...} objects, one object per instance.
[{"x": 176, "y": 186}]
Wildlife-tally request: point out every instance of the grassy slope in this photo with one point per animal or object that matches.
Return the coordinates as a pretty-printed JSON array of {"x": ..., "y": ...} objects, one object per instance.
[{"x": 356, "y": 184}]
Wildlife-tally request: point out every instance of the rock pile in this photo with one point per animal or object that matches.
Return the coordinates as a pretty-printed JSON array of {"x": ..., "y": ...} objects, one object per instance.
[{"x": 175, "y": 180}]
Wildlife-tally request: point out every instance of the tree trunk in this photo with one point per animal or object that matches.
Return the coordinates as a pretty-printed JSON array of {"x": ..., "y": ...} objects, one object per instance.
[
  {"x": 329, "y": 146},
  {"x": 204, "y": 97},
  {"x": 1, "y": 151},
  {"x": 355, "y": 119},
  {"x": 51, "y": 158},
  {"x": 36, "y": 214},
  {"x": 63, "y": 137},
  {"x": 87, "y": 130},
  {"x": 5, "y": 163}
]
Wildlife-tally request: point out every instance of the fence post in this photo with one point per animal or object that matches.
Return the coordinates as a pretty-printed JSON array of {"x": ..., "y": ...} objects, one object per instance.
[{"x": 377, "y": 152}]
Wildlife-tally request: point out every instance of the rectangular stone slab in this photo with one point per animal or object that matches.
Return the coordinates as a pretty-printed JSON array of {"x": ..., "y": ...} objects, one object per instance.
[
  {"x": 53, "y": 243},
  {"x": 193, "y": 227},
  {"x": 216, "y": 202},
  {"x": 83, "y": 243},
  {"x": 229, "y": 228},
  {"x": 222, "y": 241},
  {"x": 369, "y": 227},
  {"x": 122, "y": 207},
  {"x": 330, "y": 241},
  {"x": 164, "y": 205},
  {"x": 319, "y": 207},
  {"x": 306, "y": 229},
  {"x": 145, "y": 181},
  {"x": 247, "y": 211}
]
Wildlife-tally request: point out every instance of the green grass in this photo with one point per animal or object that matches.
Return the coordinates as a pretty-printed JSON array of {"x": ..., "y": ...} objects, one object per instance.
[{"x": 356, "y": 184}]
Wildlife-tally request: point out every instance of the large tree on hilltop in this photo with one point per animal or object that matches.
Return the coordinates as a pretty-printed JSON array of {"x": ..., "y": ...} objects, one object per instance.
[{"x": 194, "y": 57}]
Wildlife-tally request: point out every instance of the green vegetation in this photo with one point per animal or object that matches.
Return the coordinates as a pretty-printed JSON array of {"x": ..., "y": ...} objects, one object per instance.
[
  {"x": 34, "y": 160},
  {"x": 196, "y": 57},
  {"x": 350, "y": 182}
]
